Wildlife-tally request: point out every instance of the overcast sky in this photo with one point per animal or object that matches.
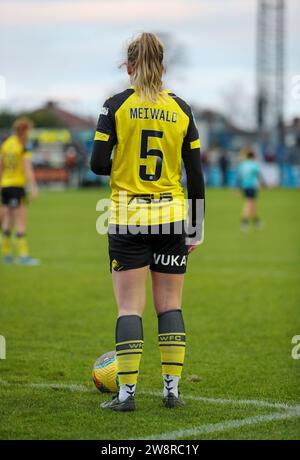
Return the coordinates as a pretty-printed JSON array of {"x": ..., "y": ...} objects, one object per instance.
[{"x": 69, "y": 50}]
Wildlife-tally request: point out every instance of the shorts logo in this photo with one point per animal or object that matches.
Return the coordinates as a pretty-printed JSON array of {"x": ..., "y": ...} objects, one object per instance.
[
  {"x": 104, "y": 111},
  {"x": 171, "y": 260},
  {"x": 116, "y": 265},
  {"x": 14, "y": 203}
]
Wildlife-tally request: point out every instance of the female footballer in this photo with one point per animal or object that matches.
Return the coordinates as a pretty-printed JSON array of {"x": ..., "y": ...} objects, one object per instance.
[
  {"x": 15, "y": 173},
  {"x": 152, "y": 131},
  {"x": 249, "y": 178}
]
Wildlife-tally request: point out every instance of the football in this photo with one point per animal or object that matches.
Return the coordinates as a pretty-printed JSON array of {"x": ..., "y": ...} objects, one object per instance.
[{"x": 105, "y": 373}]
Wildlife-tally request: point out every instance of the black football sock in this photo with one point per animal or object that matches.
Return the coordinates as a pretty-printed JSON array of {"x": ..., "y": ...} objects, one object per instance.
[
  {"x": 171, "y": 338},
  {"x": 129, "y": 349}
]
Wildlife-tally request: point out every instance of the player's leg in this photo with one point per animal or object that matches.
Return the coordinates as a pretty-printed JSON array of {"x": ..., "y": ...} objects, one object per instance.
[
  {"x": 254, "y": 212},
  {"x": 7, "y": 224},
  {"x": 246, "y": 212},
  {"x": 167, "y": 291},
  {"x": 130, "y": 291},
  {"x": 167, "y": 270},
  {"x": 167, "y": 295},
  {"x": 130, "y": 256},
  {"x": 20, "y": 219},
  {"x": 252, "y": 209}
]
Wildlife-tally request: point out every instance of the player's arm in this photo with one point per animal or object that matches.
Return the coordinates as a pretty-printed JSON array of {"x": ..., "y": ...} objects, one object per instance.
[
  {"x": 1, "y": 161},
  {"x": 1, "y": 165},
  {"x": 195, "y": 184},
  {"x": 104, "y": 141},
  {"x": 29, "y": 174}
]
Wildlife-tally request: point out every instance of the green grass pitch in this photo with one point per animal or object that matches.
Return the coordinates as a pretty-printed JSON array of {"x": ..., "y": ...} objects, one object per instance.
[{"x": 241, "y": 306}]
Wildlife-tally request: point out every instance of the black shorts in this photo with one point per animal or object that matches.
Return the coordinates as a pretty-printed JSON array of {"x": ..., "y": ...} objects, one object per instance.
[
  {"x": 13, "y": 196},
  {"x": 250, "y": 193},
  {"x": 163, "y": 252}
]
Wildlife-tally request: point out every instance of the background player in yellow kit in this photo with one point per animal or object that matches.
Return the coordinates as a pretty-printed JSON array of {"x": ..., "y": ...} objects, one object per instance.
[
  {"x": 152, "y": 131},
  {"x": 16, "y": 173}
]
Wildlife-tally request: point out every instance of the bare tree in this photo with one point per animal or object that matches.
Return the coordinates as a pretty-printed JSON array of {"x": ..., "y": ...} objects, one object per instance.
[
  {"x": 175, "y": 52},
  {"x": 238, "y": 105}
]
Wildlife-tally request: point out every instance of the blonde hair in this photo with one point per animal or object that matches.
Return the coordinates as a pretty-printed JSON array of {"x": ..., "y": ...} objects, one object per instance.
[
  {"x": 247, "y": 152},
  {"x": 145, "y": 55},
  {"x": 22, "y": 124}
]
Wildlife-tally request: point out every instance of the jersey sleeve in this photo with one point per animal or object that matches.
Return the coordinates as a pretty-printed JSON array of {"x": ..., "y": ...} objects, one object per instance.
[
  {"x": 195, "y": 181},
  {"x": 106, "y": 129},
  {"x": 192, "y": 140},
  {"x": 104, "y": 140}
]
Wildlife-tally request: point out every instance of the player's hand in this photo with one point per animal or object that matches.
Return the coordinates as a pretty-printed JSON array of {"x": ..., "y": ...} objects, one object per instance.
[{"x": 193, "y": 247}]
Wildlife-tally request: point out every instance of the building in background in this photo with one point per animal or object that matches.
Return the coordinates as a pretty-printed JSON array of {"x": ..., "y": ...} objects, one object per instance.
[
  {"x": 222, "y": 143},
  {"x": 61, "y": 143}
]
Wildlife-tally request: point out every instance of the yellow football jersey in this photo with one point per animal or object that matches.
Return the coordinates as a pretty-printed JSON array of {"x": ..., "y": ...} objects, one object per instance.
[
  {"x": 147, "y": 160},
  {"x": 12, "y": 153}
]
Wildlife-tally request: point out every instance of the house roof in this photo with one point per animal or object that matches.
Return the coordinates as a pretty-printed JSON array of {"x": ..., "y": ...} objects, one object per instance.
[{"x": 68, "y": 119}]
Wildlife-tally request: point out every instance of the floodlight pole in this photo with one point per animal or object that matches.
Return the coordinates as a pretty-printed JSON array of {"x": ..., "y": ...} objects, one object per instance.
[{"x": 270, "y": 71}]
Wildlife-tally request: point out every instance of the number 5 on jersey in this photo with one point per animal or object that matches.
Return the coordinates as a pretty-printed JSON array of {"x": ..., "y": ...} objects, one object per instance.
[{"x": 145, "y": 154}]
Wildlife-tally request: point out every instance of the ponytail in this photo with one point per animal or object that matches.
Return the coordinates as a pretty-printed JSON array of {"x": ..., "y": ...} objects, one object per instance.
[{"x": 145, "y": 55}]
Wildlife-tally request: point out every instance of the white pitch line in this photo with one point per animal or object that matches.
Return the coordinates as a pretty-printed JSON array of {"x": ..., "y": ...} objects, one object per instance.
[
  {"x": 75, "y": 387},
  {"x": 243, "y": 402},
  {"x": 291, "y": 411},
  {"x": 54, "y": 386},
  {"x": 224, "y": 426}
]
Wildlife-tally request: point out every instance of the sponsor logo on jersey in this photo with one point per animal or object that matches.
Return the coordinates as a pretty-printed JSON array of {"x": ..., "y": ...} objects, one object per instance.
[
  {"x": 104, "y": 111},
  {"x": 150, "y": 198}
]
